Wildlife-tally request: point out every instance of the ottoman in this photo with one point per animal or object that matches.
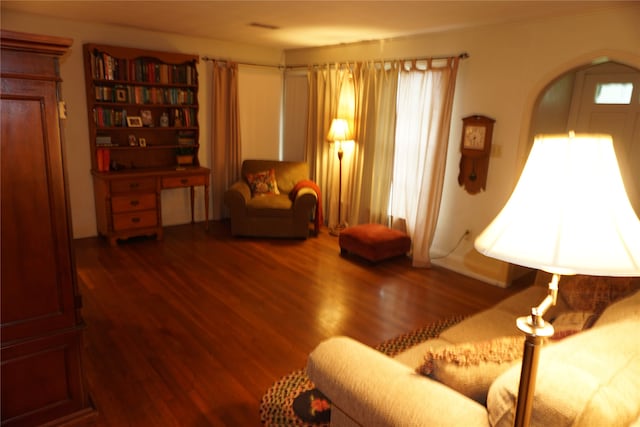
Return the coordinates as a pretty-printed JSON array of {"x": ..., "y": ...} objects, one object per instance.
[{"x": 374, "y": 242}]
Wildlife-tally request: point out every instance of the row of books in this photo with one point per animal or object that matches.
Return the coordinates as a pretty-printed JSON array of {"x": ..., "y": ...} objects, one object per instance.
[
  {"x": 107, "y": 67},
  {"x": 110, "y": 117},
  {"x": 184, "y": 117},
  {"x": 145, "y": 95}
]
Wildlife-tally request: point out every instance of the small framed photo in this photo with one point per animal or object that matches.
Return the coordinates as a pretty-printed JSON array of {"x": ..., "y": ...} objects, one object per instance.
[
  {"x": 142, "y": 142},
  {"x": 121, "y": 95},
  {"x": 147, "y": 118},
  {"x": 133, "y": 141},
  {"x": 134, "y": 121}
]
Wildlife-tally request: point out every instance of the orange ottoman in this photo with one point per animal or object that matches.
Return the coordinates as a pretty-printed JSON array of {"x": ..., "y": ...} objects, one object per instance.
[{"x": 374, "y": 242}]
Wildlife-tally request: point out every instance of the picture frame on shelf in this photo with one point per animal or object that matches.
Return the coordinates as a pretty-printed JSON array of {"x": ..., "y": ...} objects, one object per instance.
[
  {"x": 142, "y": 142},
  {"x": 121, "y": 94},
  {"x": 134, "y": 121},
  {"x": 132, "y": 140},
  {"x": 147, "y": 118}
]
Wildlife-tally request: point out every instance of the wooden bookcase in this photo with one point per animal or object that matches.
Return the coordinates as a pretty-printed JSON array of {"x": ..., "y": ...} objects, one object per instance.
[
  {"x": 125, "y": 83},
  {"x": 143, "y": 118}
]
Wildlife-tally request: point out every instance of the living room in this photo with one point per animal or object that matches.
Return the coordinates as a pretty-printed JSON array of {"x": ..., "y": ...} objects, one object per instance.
[
  {"x": 510, "y": 64},
  {"x": 508, "y": 67}
]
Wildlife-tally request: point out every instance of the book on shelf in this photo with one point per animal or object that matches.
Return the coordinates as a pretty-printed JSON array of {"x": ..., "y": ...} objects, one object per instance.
[
  {"x": 104, "y": 159},
  {"x": 103, "y": 139}
]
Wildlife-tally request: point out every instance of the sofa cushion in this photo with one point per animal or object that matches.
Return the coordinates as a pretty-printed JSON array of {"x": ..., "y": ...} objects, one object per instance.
[
  {"x": 263, "y": 183},
  {"x": 587, "y": 379},
  {"x": 470, "y": 368},
  {"x": 627, "y": 308}
]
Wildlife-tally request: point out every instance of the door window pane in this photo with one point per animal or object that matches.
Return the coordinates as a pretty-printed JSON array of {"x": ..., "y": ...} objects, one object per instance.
[{"x": 613, "y": 93}]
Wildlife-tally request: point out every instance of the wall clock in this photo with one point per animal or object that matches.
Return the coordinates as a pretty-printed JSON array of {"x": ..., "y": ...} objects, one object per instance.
[{"x": 475, "y": 150}]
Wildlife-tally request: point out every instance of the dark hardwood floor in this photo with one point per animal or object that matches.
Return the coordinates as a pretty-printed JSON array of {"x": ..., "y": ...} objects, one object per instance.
[{"x": 191, "y": 330}]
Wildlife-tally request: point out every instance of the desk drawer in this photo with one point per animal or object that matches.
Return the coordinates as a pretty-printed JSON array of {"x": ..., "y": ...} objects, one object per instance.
[
  {"x": 183, "y": 181},
  {"x": 133, "y": 202},
  {"x": 133, "y": 184},
  {"x": 132, "y": 220}
]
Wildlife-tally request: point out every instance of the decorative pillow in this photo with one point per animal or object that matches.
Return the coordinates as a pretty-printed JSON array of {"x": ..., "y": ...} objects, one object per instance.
[
  {"x": 263, "y": 183},
  {"x": 593, "y": 293},
  {"x": 572, "y": 322},
  {"x": 470, "y": 368}
]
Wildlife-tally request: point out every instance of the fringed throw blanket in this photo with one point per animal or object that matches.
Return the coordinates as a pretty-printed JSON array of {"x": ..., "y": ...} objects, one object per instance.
[{"x": 307, "y": 183}]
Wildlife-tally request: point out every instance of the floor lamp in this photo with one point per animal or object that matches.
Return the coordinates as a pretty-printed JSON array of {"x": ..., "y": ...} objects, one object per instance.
[
  {"x": 339, "y": 133},
  {"x": 568, "y": 214}
]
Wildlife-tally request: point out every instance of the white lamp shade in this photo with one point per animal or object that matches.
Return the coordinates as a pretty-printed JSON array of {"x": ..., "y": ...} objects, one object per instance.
[
  {"x": 339, "y": 130},
  {"x": 569, "y": 212}
]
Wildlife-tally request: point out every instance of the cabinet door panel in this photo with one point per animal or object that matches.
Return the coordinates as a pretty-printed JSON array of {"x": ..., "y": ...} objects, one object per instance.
[
  {"x": 43, "y": 378},
  {"x": 37, "y": 287}
]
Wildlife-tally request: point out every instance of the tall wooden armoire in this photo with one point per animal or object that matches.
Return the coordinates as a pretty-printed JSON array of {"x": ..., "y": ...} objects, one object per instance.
[{"x": 41, "y": 328}]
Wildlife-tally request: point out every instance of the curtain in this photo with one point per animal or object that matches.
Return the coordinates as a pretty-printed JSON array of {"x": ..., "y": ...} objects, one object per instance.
[
  {"x": 424, "y": 103},
  {"x": 325, "y": 86},
  {"x": 225, "y": 134},
  {"x": 375, "y": 86}
]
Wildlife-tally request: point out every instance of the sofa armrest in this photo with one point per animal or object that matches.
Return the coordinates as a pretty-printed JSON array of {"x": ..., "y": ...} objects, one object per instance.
[
  {"x": 237, "y": 195},
  {"x": 374, "y": 389},
  {"x": 305, "y": 200}
]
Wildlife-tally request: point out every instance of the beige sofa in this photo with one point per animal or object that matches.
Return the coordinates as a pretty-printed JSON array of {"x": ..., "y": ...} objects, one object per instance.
[
  {"x": 272, "y": 215},
  {"x": 588, "y": 378}
]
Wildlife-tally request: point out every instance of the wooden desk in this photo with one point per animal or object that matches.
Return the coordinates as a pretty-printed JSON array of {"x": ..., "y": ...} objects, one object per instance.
[{"x": 128, "y": 203}]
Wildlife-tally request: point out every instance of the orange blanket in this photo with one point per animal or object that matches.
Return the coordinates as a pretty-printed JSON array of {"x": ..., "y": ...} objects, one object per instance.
[{"x": 306, "y": 183}]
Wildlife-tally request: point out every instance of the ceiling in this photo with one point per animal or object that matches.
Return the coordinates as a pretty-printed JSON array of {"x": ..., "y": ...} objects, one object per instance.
[{"x": 301, "y": 24}]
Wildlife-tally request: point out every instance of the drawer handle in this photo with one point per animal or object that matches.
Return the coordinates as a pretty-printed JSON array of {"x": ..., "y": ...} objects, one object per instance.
[
  {"x": 135, "y": 220},
  {"x": 184, "y": 181},
  {"x": 134, "y": 203},
  {"x": 134, "y": 185}
]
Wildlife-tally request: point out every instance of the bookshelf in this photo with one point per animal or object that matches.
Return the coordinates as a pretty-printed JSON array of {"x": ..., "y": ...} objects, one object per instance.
[
  {"x": 143, "y": 134},
  {"x": 141, "y": 105}
]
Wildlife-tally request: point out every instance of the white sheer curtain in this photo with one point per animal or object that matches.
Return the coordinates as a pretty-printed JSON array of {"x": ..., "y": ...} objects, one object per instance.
[
  {"x": 424, "y": 102},
  {"x": 375, "y": 86}
]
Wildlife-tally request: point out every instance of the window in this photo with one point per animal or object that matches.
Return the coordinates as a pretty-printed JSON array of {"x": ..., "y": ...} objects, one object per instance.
[{"x": 613, "y": 93}]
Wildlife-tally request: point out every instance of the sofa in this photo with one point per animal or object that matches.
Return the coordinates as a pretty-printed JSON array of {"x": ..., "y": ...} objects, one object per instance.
[
  {"x": 272, "y": 199},
  {"x": 588, "y": 375}
]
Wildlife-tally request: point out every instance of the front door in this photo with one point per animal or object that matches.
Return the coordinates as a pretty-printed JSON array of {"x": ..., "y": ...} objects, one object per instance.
[{"x": 607, "y": 100}]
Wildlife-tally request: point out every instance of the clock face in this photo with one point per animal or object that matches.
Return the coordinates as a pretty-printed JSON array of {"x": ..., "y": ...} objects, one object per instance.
[{"x": 474, "y": 137}]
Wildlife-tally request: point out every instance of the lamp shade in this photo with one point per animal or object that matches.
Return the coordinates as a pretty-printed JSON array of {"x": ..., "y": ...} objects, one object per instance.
[
  {"x": 569, "y": 212},
  {"x": 339, "y": 130}
]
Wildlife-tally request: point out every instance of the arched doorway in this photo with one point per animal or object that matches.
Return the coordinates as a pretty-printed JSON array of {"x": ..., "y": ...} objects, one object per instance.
[{"x": 597, "y": 98}]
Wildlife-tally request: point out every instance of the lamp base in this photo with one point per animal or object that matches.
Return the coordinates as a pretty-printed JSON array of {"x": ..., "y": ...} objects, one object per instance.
[{"x": 335, "y": 231}]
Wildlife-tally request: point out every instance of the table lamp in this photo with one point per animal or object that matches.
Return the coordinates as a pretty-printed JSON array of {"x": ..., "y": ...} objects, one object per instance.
[
  {"x": 339, "y": 132},
  {"x": 568, "y": 214}
]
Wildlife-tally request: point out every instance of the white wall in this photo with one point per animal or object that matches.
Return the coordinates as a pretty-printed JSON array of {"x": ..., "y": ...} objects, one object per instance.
[
  {"x": 175, "y": 203},
  {"x": 509, "y": 65}
]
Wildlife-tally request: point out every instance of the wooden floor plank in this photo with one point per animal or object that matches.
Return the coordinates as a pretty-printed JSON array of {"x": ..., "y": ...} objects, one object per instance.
[{"x": 192, "y": 330}]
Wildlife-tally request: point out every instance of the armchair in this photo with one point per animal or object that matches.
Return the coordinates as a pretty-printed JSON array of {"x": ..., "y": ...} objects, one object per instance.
[{"x": 286, "y": 214}]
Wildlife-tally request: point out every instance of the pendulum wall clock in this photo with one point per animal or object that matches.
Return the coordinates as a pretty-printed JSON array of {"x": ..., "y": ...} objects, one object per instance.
[{"x": 475, "y": 149}]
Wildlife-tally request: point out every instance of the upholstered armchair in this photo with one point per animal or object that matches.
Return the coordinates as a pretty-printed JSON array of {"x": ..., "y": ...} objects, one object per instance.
[{"x": 272, "y": 199}]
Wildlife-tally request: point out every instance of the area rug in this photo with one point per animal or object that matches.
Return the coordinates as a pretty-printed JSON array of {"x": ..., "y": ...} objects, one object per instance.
[{"x": 293, "y": 400}]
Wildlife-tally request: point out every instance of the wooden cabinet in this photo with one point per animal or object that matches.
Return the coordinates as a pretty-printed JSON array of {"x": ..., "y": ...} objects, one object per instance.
[
  {"x": 143, "y": 114},
  {"x": 41, "y": 327}
]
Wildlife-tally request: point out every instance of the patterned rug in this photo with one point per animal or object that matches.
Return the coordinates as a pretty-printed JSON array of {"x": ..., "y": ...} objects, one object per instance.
[{"x": 293, "y": 400}]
